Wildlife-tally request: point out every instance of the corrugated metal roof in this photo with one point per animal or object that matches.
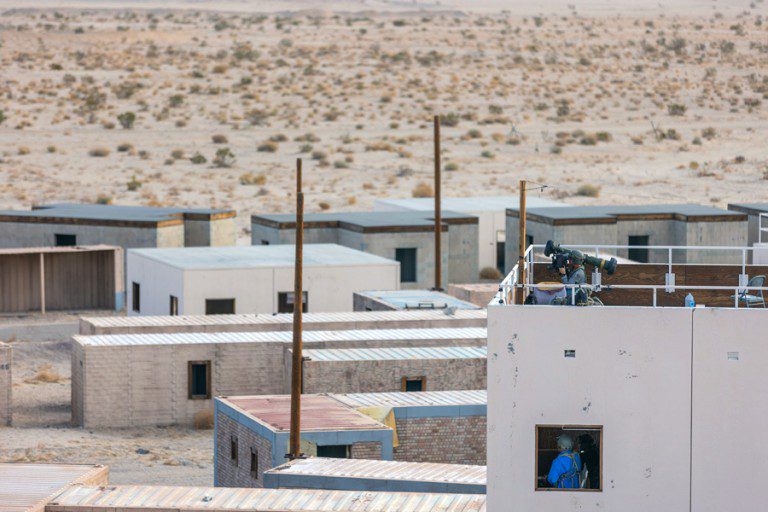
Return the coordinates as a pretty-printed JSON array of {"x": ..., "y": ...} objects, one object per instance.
[
  {"x": 308, "y": 318},
  {"x": 259, "y": 256},
  {"x": 186, "y": 338},
  {"x": 389, "y": 354},
  {"x": 193, "y": 499},
  {"x": 385, "y": 469},
  {"x": 27, "y": 487},
  {"x": 424, "y": 398},
  {"x": 467, "y": 204},
  {"x": 318, "y": 412},
  {"x": 418, "y": 299}
]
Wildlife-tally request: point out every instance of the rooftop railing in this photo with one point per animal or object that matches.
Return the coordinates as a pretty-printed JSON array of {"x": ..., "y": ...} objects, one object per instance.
[{"x": 511, "y": 287}]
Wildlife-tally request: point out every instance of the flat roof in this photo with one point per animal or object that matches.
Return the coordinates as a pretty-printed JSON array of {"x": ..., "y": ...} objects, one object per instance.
[
  {"x": 414, "y": 399},
  {"x": 749, "y": 208},
  {"x": 384, "y": 470},
  {"x": 57, "y": 250},
  {"x": 282, "y": 318},
  {"x": 75, "y": 213},
  {"x": 418, "y": 299},
  {"x": 194, "y": 499},
  {"x": 192, "y": 338},
  {"x": 28, "y": 487},
  {"x": 318, "y": 413},
  {"x": 367, "y": 222},
  {"x": 472, "y": 203},
  {"x": 394, "y": 354},
  {"x": 610, "y": 214},
  {"x": 260, "y": 256}
]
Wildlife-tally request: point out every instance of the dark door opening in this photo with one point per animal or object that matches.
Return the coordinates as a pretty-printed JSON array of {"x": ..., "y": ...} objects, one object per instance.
[
  {"x": 136, "y": 297},
  {"x": 407, "y": 259},
  {"x": 219, "y": 306},
  {"x": 173, "y": 308},
  {"x": 636, "y": 251}
]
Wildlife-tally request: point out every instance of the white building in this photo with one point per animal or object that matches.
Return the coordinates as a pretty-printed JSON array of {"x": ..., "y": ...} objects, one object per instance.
[
  {"x": 256, "y": 279},
  {"x": 491, "y": 213},
  {"x": 669, "y": 397}
]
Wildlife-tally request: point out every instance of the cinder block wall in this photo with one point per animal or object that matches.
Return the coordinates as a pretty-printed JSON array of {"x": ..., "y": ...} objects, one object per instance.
[
  {"x": 238, "y": 474},
  {"x": 5, "y": 383},
  {"x": 450, "y": 440},
  {"x": 386, "y": 375},
  {"x": 463, "y": 265}
]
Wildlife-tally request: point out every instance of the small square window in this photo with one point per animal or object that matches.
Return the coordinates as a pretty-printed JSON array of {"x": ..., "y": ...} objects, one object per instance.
[
  {"x": 569, "y": 457},
  {"x": 254, "y": 463},
  {"x": 199, "y": 378},
  {"x": 334, "y": 451},
  {"x": 219, "y": 306},
  {"x": 413, "y": 384},
  {"x": 233, "y": 449},
  {"x": 285, "y": 302},
  {"x": 65, "y": 240}
]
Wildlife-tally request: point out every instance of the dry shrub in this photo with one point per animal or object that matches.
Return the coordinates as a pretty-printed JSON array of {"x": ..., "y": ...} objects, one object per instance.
[
  {"x": 99, "y": 152},
  {"x": 423, "y": 189},
  {"x": 490, "y": 273},
  {"x": 203, "y": 420},
  {"x": 588, "y": 190},
  {"x": 45, "y": 375}
]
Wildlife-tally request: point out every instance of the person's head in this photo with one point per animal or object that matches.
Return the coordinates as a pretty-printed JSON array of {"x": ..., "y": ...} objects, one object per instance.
[
  {"x": 565, "y": 443},
  {"x": 577, "y": 259}
]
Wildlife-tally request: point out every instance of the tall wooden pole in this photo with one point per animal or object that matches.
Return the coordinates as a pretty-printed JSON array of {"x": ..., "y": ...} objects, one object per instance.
[
  {"x": 298, "y": 303},
  {"x": 438, "y": 213},
  {"x": 522, "y": 248}
]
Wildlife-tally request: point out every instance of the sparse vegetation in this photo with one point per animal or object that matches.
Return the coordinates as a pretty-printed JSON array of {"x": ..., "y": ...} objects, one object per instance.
[
  {"x": 588, "y": 190},
  {"x": 99, "y": 152},
  {"x": 126, "y": 120},
  {"x": 423, "y": 189}
]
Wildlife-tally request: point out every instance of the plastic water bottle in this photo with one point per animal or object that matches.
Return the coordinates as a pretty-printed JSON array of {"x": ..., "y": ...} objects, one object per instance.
[{"x": 689, "y": 302}]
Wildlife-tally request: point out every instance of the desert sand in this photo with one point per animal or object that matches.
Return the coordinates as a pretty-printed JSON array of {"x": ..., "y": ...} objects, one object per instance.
[{"x": 210, "y": 103}]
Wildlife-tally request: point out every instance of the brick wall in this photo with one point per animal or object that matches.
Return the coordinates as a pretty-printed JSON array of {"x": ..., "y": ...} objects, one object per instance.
[
  {"x": 386, "y": 376},
  {"x": 369, "y": 450},
  {"x": 451, "y": 440},
  {"x": 227, "y": 473},
  {"x": 5, "y": 384}
]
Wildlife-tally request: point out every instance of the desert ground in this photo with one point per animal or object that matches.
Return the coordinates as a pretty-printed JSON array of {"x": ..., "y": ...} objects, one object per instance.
[{"x": 210, "y": 104}]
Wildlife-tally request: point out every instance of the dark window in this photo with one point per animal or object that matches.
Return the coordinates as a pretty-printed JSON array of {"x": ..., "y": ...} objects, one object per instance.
[
  {"x": 265, "y": 242},
  {"x": 219, "y": 306},
  {"x": 587, "y": 447},
  {"x": 407, "y": 259},
  {"x": 636, "y": 251},
  {"x": 65, "y": 240},
  {"x": 500, "y": 256},
  {"x": 411, "y": 384},
  {"x": 334, "y": 451},
  {"x": 174, "y": 306},
  {"x": 528, "y": 241},
  {"x": 199, "y": 380},
  {"x": 136, "y": 296},
  {"x": 285, "y": 302},
  {"x": 254, "y": 463},
  {"x": 233, "y": 449}
]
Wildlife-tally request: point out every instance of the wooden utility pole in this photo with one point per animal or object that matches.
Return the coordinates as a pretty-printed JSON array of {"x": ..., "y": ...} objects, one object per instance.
[
  {"x": 522, "y": 248},
  {"x": 298, "y": 304},
  {"x": 438, "y": 213}
]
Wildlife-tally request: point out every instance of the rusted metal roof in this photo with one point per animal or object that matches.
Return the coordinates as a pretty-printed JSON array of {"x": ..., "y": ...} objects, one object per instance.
[
  {"x": 190, "y": 338},
  {"x": 394, "y": 353},
  {"x": 424, "y": 398},
  {"x": 218, "y": 499},
  {"x": 28, "y": 487},
  {"x": 318, "y": 412},
  {"x": 384, "y": 469},
  {"x": 285, "y": 318}
]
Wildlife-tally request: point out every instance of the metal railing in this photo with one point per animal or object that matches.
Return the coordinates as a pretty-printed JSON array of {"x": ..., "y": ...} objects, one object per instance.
[{"x": 510, "y": 286}]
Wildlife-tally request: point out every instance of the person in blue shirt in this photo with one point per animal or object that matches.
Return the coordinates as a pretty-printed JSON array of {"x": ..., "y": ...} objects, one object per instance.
[{"x": 565, "y": 469}]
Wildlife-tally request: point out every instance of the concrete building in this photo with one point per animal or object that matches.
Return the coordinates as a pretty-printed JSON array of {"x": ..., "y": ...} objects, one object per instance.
[
  {"x": 68, "y": 224},
  {"x": 164, "y": 379},
  {"x": 61, "y": 278},
  {"x": 392, "y": 300},
  {"x": 491, "y": 214},
  {"x": 124, "y": 498},
  {"x": 439, "y": 426},
  {"x": 368, "y": 370},
  {"x": 6, "y": 383},
  {"x": 753, "y": 211},
  {"x": 358, "y": 320},
  {"x": 376, "y": 475},
  {"x": 407, "y": 237},
  {"x": 30, "y": 487},
  {"x": 637, "y": 226},
  {"x": 665, "y": 396},
  {"x": 253, "y": 279}
]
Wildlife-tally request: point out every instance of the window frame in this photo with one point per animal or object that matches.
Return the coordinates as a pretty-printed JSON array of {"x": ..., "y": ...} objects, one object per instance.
[
  {"x": 135, "y": 297},
  {"x": 404, "y": 383},
  {"x": 190, "y": 380},
  {"x": 536, "y": 488}
]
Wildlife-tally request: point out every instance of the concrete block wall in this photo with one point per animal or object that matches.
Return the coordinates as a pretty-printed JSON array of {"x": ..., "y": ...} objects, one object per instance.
[
  {"x": 33, "y": 234},
  {"x": 386, "y": 375},
  {"x": 229, "y": 473},
  {"x": 6, "y": 384},
  {"x": 366, "y": 450},
  {"x": 445, "y": 439},
  {"x": 463, "y": 261}
]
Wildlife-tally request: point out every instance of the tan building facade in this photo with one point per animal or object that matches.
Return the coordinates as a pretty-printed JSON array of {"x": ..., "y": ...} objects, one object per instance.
[{"x": 6, "y": 357}]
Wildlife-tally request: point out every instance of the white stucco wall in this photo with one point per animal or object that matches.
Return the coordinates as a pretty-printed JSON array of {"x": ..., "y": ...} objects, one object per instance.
[{"x": 631, "y": 375}]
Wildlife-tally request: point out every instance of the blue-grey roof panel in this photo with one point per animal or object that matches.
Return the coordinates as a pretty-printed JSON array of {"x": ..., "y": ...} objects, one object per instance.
[
  {"x": 419, "y": 299},
  {"x": 472, "y": 204},
  {"x": 611, "y": 211},
  {"x": 367, "y": 219},
  {"x": 107, "y": 212}
]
